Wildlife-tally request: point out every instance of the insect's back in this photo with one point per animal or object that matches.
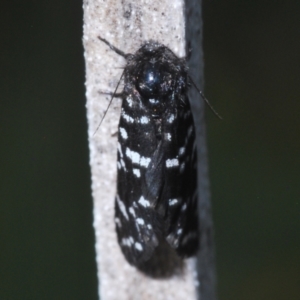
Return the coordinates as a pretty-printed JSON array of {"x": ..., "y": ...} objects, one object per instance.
[{"x": 156, "y": 185}]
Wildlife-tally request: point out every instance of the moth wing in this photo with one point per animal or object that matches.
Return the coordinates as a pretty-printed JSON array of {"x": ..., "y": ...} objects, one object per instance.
[
  {"x": 138, "y": 225},
  {"x": 181, "y": 193}
]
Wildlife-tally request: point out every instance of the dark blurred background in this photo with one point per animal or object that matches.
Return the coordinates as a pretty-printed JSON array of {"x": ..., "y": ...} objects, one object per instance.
[{"x": 252, "y": 76}]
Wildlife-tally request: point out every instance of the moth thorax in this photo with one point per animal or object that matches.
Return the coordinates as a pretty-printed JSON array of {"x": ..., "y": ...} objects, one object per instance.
[{"x": 155, "y": 82}]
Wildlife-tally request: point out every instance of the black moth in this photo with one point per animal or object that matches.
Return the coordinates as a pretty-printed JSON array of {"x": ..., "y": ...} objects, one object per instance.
[{"x": 156, "y": 199}]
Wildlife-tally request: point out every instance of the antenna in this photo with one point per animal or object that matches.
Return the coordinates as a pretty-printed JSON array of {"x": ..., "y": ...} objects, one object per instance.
[
  {"x": 205, "y": 99},
  {"x": 110, "y": 101}
]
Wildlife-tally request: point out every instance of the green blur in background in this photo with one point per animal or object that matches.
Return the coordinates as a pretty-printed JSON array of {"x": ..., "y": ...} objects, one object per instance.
[{"x": 252, "y": 78}]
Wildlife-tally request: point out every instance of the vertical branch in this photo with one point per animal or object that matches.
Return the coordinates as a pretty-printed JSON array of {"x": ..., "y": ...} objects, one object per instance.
[
  {"x": 206, "y": 255},
  {"x": 126, "y": 25}
]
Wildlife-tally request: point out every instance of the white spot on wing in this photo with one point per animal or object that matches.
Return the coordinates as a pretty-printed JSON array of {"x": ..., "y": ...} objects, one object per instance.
[
  {"x": 168, "y": 136},
  {"x": 120, "y": 149},
  {"x": 170, "y": 163},
  {"x": 137, "y": 159},
  {"x": 181, "y": 150},
  {"x": 138, "y": 246},
  {"x": 145, "y": 161},
  {"x": 144, "y": 202},
  {"x": 134, "y": 156},
  {"x": 153, "y": 101},
  {"x": 173, "y": 201},
  {"x": 123, "y": 132},
  {"x": 126, "y": 117},
  {"x": 122, "y": 163},
  {"x": 137, "y": 173},
  {"x": 122, "y": 207},
  {"x": 129, "y": 100},
  {"x": 127, "y": 241},
  {"x": 144, "y": 120},
  {"x": 179, "y": 231},
  {"x": 131, "y": 210},
  {"x": 140, "y": 221},
  {"x": 171, "y": 119}
]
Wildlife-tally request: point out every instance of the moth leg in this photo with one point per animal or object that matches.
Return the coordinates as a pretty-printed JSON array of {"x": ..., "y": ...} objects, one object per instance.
[
  {"x": 115, "y": 95},
  {"x": 118, "y": 51}
]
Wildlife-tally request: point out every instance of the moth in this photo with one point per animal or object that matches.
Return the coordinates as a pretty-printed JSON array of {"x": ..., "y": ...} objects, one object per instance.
[{"x": 156, "y": 198}]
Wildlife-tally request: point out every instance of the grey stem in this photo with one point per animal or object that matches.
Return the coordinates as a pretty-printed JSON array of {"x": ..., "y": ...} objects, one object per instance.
[{"x": 127, "y": 25}]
